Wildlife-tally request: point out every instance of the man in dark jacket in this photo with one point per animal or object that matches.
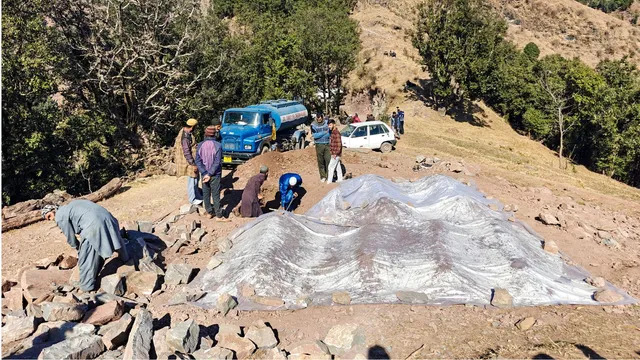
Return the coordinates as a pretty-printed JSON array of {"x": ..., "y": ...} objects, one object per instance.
[
  {"x": 209, "y": 162},
  {"x": 320, "y": 132},
  {"x": 250, "y": 206}
]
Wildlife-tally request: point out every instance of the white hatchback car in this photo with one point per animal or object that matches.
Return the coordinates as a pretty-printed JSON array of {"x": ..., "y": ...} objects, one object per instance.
[{"x": 369, "y": 135}]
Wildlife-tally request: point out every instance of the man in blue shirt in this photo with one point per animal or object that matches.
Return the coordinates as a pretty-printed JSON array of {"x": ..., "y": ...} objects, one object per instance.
[
  {"x": 320, "y": 132},
  {"x": 289, "y": 184}
]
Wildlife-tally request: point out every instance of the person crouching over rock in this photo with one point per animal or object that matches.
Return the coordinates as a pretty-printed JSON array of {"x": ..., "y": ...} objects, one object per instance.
[
  {"x": 99, "y": 234},
  {"x": 250, "y": 206}
]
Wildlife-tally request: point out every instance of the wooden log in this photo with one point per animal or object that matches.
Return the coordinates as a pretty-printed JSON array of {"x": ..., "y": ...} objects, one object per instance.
[{"x": 34, "y": 216}]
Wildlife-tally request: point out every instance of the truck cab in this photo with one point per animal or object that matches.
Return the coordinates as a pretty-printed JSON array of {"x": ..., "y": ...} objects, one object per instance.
[{"x": 256, "y": 129}]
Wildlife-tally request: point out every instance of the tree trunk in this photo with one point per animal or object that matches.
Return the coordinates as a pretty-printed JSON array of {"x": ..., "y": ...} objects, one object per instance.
[{"x": 34, "y": 216}]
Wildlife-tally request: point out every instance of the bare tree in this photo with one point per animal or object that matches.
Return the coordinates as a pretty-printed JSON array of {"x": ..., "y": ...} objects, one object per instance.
[{"x": 559, "y": 106}]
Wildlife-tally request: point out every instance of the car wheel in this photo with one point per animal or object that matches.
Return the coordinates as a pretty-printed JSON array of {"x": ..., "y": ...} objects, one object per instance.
[{"x": 386, "y": 147}]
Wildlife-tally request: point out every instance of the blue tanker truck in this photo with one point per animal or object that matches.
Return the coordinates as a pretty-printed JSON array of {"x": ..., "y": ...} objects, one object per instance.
[{"x": 256, "y": 129}]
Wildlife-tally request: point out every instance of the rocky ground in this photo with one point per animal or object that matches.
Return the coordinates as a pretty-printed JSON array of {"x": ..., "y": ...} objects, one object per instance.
[{"x": 141, "y": 310}]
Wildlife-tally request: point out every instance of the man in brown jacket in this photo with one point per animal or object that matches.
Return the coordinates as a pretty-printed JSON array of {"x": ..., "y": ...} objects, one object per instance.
[
  {"x": 335, "y": 148},
  {"x": 184, "y": 148}
]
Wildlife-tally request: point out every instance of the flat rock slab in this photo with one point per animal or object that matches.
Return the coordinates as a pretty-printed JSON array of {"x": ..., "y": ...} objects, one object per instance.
[
  {"x": 343, "y": 337},
  {"x": 341, "y": 297},
  {"x": 104, "y": 313},
  {"x": 52, "y": 311},
  {"x": 142, "y": 282},
  {"x": 116, "y": 333},
  {"x": 139, "y": 342},
  {"x": 183, "y": 337},
  {"x": 13, "y": 298},
  {"x": 36, "y": 283},
  {"x": 17, "y": 328},
  {"x": 81, "y": 347},
  {"x": 215, "y": 353}
]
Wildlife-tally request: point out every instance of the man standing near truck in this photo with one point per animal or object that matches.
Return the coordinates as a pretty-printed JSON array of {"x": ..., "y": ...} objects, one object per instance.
[
  {"x": 320, "y": 132},
  {"x": 209, "y": 162},
  {"x": 335, "y": 147},
  {"x": 400, "y": 120},
  {"x": 184, "y": 147}
]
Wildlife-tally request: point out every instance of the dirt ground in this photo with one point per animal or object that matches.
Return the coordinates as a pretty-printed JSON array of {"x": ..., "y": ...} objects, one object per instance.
[{"x": 450, "y": 331}]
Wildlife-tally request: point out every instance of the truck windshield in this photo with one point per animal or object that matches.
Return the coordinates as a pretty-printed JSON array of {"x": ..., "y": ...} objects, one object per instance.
[
  {"x": 346, "y": 132},
  {"x": 241, "y": 118}
]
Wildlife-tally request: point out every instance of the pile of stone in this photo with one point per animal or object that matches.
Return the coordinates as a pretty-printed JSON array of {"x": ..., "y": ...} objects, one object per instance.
[
  {"x": 424, "y": 162},
  {"x": 46, "y": 316},
  {"x": 610, "y": 231}
]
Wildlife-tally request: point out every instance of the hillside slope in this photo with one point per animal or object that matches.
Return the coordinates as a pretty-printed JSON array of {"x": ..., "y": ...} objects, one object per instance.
[{"x": 482, "y": 137}]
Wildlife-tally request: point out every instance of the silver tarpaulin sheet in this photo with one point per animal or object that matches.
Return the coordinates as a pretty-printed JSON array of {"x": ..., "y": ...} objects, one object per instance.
[{"x": 432, "y": 241}]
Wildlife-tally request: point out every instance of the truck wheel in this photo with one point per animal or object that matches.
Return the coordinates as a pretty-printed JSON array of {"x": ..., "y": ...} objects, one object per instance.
[
  {"x": 386, "y": 147},
  {"x": 265, "y": 149}
]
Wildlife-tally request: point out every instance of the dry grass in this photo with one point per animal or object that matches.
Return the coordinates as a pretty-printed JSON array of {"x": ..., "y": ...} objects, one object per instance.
[{"x": 496, "y": 146}]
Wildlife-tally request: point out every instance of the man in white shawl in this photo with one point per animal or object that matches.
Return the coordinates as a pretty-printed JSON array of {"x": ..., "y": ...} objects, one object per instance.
[{"x": 99, "y": 234}]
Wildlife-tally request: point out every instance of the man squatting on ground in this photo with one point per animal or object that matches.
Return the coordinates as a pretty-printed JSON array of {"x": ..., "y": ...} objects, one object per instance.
[
  {"x": 184, "y": 149},
  {"x": 209, "y": 162},
  {"x": 289, "y": 184},
  {"x": 320, "y": 131},
  {"x": 99, "y": 235},
  {"x": 335, "y": 148}
]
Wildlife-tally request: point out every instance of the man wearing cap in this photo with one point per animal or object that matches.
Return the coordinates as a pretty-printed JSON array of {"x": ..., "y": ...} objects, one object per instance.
[
  {"x": 250, "y": 206},
  {"x": 209, "y": 162},
  {"x": 184, "y": 148},
  {"x": 99, "y": 235},
  {"x": 289, "y": 184},
  {"x": 320, "y": 133}
]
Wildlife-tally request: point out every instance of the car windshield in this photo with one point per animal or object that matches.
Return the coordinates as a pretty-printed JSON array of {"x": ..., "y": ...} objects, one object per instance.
[
  {"x": 347, "y": 130},
  {"x": 240, "y": 118}
]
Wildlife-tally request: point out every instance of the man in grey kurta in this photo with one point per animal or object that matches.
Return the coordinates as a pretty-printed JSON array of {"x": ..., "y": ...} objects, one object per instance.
[{"x": 99, "y": 236}]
